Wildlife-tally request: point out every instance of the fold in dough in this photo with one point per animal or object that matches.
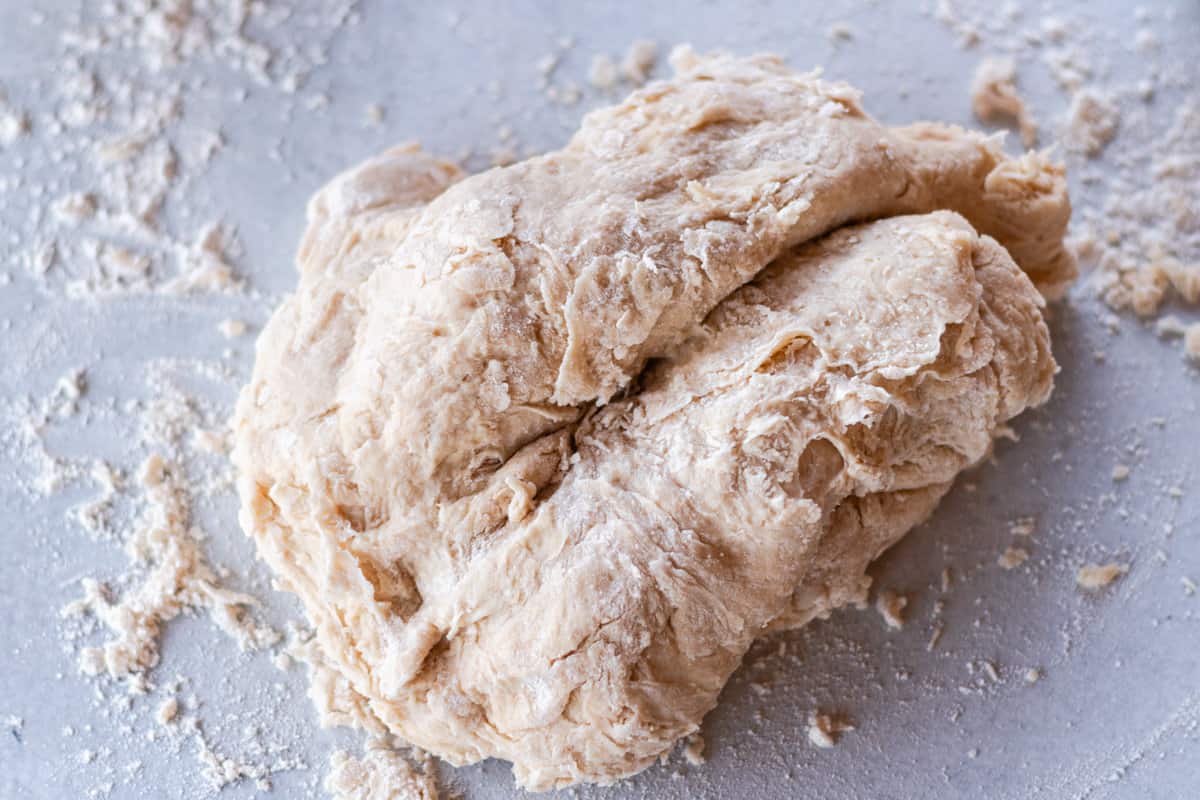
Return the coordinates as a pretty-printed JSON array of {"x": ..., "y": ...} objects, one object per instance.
[{"x": 515, "y": 540}]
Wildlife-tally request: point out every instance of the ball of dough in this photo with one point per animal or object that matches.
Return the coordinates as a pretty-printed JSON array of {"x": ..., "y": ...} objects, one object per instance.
[{"x": 513, "y": 537}]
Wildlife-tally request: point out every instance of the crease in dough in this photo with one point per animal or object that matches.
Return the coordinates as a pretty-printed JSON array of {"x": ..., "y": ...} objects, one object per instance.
[{"x": 512, "y": 538}]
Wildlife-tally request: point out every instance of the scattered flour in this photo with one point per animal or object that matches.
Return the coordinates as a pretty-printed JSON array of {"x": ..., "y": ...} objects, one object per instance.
[{"x": 178, "y": 578}]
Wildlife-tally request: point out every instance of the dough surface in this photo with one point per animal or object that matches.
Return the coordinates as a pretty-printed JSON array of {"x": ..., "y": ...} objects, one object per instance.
[{"x": 513, "y": 537}]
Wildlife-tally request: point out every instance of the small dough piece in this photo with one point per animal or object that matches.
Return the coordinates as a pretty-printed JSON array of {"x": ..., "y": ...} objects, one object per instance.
[
  {"x": 890, "y": 606},
  {"x": 824, "y": 730},
  {"x": 380, "y": 774},
  {"x": 994, "y": 97},
  {"x": 1097, "y": 576},
  {"x": 1092, "y": 122},
  {"x": 1013, "y": 557},
  {"x": 515, "y": 540}
]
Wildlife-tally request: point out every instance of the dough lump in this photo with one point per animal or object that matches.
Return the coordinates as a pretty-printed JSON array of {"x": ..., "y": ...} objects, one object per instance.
[{"x": 544, "y": 449}]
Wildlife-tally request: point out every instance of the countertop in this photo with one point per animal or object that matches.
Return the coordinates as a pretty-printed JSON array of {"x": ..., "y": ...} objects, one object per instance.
[{"x": 1115, "y": 712}]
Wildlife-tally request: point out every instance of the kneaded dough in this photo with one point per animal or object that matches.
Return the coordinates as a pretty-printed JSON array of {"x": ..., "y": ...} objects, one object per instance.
[{"x": 513, "y": 537}]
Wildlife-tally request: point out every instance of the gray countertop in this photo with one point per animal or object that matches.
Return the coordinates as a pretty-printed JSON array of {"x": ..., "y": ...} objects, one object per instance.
[{"x": 1116, "y": 712}]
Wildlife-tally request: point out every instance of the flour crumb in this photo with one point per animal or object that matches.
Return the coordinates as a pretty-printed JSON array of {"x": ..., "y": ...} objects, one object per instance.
[
  {"x": 1189, "y": 585},
  {"x": 1013, "y": 557},
  {"x": 381, "y": 774},
  {"x": 375, "y": 114},
  {"x": 994, "y": 97},
  {"x": 1033, "y": 675},
  {"x": 693, "y": 749},
  {"x": 1097, "y": 576},
  {"x": 890, "y": 606},
  {"x": 1092, "y": 122},
  {"x": 824, "y": 730}
]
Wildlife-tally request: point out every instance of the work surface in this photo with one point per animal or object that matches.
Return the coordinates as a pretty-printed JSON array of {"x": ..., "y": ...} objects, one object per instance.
[{"x": 1114, "y": 711}]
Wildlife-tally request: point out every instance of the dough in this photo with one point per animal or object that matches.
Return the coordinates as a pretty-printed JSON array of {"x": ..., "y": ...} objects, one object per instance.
[
  {"x": 514, "y": 538},
  {"x": 994, "y": 97}
]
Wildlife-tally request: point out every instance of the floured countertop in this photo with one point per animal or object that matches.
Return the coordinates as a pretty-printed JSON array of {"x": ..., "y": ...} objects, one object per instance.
[{"x": 1039, "y": 637}]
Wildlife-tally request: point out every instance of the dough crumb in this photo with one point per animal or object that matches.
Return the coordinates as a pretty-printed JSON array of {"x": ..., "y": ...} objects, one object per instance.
[
  {"x": 1023, "y": 526},
  {"x": 232, "y": 328},
  {"x": 693, "y": 749},
  {"x": 1191, "y": 342},
  {"x": 381, "y": 774},
  {"x": 603, "y": 73},
  {"x": 935, "y": 636},
  {"x": 1013, "y": 557},
  {"x": 1033, "y": 675},
  {"x": 824, "y": 730},
  {"x": 13, "y": 125},
  {"x": 1097, "y": 576},
  {"x": 167, "y": 712},
  {"x": 1092, "y": 122},
  {"x": 994, "y": 97},
  {"x": 75, "y": 208},
  {"x": 839, "y": 32},
  {"x": 639, "y": 61},
  {"x": 1120, "y": 472},
  {"x": 1170, "y": 327},
  {"x": 890, "y": 606}
]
